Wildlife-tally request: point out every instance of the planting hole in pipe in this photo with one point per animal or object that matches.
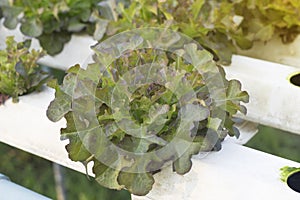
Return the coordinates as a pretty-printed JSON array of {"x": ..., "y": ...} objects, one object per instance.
[
  {"x": 295, "y": 79},
  {"x": 293, "y": 181}
]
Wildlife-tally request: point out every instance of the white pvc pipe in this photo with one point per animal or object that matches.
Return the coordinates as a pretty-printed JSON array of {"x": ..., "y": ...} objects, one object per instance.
[
  {"x": 12, "y": 191},
  {"x": 274, "y": 101}
]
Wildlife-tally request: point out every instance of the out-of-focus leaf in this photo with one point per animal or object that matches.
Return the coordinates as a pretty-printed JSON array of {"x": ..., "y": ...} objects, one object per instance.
[
  {"x": 19, "y": 71},
  {"x": 50, "y": 20},
  {"x": 4, "y": 2},
  {"x": 32, "y": 27},
  {"x": 196, "y": 7},
  {"x": 11, "y": 15},
  {"x": 76, "y": 26},
  {"x": 265, "y": 34},
  {"x": 53, "y": 43},
  {"x": 243, "y": 42},
  {"x": 100, "y": 29},
  {"x": 20, "y": 68},
  {"x": 107, "y": 9},
  {"x": 287, "y": 171}
]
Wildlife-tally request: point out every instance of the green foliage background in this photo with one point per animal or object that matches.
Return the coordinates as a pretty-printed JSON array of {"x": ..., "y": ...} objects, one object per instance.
[
  {"x": 218, "y": 25},
  {"x": 276, "y": 142}
]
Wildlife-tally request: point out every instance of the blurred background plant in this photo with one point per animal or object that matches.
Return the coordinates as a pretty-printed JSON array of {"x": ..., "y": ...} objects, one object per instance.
[
  {"x": 219, "y": 26},
  {"x": 276, "y": 142},
  {"x": 19, "y": 72}
]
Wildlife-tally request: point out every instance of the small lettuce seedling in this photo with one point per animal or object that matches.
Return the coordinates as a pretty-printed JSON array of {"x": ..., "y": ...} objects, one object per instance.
[
  {"x": 19, "y": 72},
  {"x": 287, "y": 171}
]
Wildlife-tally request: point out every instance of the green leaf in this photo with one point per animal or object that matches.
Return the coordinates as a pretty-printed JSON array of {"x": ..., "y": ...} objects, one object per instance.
[
  {"x": 265, "y": 34},
  {"x": 77, "y": 150},
  {"x": 100, "y": 29},
  {"x": 234, "y": 96},
  {"x": 53, "y": 43},
  {"x": 232, "y": 130},
  {"x": 192, "y": 112},
  {"x": 287, "y": 171},
  {"x": 184, "y": 164},
  {"x": 243, "y": 42},
  {"x": 196, "y": 7},
  {"x": 136, "y": 183},
  {"x": 52, "y": 83},
  {"x": 32, "y": 27},
  {"x": 20, "y": 68},
  {"x": 75, "y": 25},
  {"x": 108, "y": 10},
  {"x": 106, "y": 176},
  {"x": 60, "y": 106},
  {"x": 214, "y": 123},
  {"x": 138, "y": 145},
  {"x": 19, "y": 72},
  {"x": 11, "y": 15},
  {"x": 234, "y": 92}
]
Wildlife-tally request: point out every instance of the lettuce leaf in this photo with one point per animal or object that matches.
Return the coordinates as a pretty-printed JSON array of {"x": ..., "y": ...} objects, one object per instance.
[
  {"x": 19, "y": 72},
  {"x": 135, "y": 110}
]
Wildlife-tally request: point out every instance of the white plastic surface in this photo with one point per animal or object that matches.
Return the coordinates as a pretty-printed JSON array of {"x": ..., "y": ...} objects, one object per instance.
[{"x": 274, "y": 101}]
